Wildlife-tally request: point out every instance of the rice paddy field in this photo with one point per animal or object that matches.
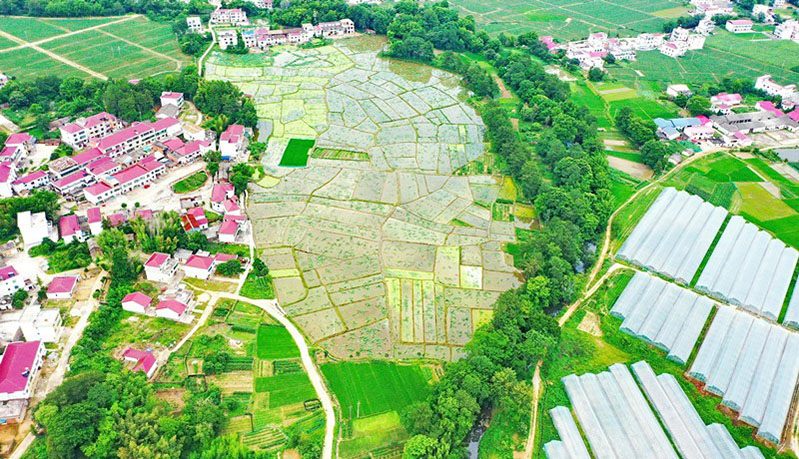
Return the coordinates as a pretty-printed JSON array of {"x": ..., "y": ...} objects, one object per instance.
[
  {"x": 117, "y": 47},
  {"x": 724, "y": 55},
  {"x": 571, "y": 20},
  {"x": 378, "y": 249}
]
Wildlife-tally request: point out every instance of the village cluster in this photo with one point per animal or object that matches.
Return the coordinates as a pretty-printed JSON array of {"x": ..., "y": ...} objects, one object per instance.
[
  {"x": 733, "y": 121},
  {"x": 238, "y": 25},
  {"x": 593, "y": 51}
]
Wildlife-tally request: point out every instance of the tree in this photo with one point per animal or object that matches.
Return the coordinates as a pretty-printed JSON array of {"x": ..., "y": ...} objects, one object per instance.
[
  {"x": 698, "y": 105},
  {"x": 240, "y": 176},
  {"x": 229, "y": 268},
  {"x": 420, "y": 446},
  {"x": 212, "y": 159},
  {"x": 259, "y": 268},
  {"x": 596, "y": 74},
  {"x": 654, "y": 154},
  {"x": 18, "y": 299}
]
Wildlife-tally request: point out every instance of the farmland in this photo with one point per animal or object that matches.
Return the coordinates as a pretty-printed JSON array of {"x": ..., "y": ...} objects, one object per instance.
[
  {"x": 573, "y": 20},
  {"x": 382, "y": 252},
  {"x": 263, "y": 382},
  {"x": 119, "y": 47},
  {"x": 724, "y": 55}
]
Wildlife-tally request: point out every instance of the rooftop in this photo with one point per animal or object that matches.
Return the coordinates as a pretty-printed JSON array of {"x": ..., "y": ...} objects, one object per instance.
[
  {"x": 173, "y": 305},
  {"x": 7, "y": 272},
  {"x": 62, "y": 284},
  {"x": 15, "y": 365},
  {"x": 156, "y": 260},
  {"x": 139, "y": 298}
]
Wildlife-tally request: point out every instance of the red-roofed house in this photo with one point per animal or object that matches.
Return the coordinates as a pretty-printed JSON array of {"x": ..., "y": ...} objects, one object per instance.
[
  {"x": 794, "y": 115},
  {"x": 160, "y": 267},
  {"x": 144, "y": 214},
  {"x": 723, "y": 102},
  {"x": 232, "y": 142},
  {"x": 78, "y": 134},
  {"x": 194, "y": 219},
  {"x": 191, "y": 151},
  {"x": 23, "y": 141},
  {"x": 231, "y": 207},
  {"x": 10, "y": 280},
  {"x": 72, "y": 182},
  {"x": 70, "y": 229},
  {"x": 228, "y": 231},
  {"x": 739, "y": 25},
  {"x": 85, "y": 157},
  {"x": 138, "y": 135},
  {"x": 95, "y": 219},
  {"x": 199, "y": 267},
  {"x": 31, "y": 181},
  {"x": 10, "y": 154},
  {"x": 117, "y": 218},
  {"x": 19, "y": 367},
  {"x": 167, "y": 127},
  {"x": 172, "y": 98},
  {"x": 98, "y": 193},
  {"x": 61, "y": 287},
  {"x": 221, "y": 193},
  {"x": 170, "y": 309},
  {"x": 8, "y": 175},
  {"x": 143, "y": 361},
  {"x": 768, "y": 106},
  {"x": 136, "y": 302}
]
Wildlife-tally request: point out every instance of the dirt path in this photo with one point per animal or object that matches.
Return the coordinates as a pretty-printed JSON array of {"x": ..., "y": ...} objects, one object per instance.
[
  {"x": 34, "y": 44},
  {"x": 155, "y": 53}
]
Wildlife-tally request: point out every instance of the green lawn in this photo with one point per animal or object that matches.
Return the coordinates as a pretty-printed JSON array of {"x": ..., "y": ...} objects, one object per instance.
[
  {"x": 191, "y": 183},
  {"x": 275, "y": 342},
  {"x": 296, "y": 153},
  {"x": 377, "y": 386},
  {"x": 29, "y": 29}
]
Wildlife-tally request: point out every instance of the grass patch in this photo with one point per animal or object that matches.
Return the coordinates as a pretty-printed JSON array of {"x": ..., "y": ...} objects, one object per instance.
[
  {"x": 190, "y": 183},
  {"x": 376, "y": 386},
  {"x": 258, "y": 288},
  {"x": 370, "y": 433},
  {"x": 275, "y": 342},
  {"x": 296, "y": 153},
  {"x": 286, "y": 389}
]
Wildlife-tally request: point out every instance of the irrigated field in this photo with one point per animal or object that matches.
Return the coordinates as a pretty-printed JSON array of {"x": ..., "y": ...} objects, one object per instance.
[
  {"x": 571, "y": 20},
  {"x": 119, "y": 47},
  {"x": 385, "y": 252}
]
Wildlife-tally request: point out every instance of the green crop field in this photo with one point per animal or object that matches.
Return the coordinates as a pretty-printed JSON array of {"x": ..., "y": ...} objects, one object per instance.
[
  {"x": 296, "y": 153},
  {"x": 121, "y": 47},
  {"x": 377, "y": 386},
  {"x": 571, "y": 20},
  {"x": 286, "y": 389},
  {"x": 275, "y": 342},
  {"x": 190, "y": 183},
  {"x": 724, "y": 55}
]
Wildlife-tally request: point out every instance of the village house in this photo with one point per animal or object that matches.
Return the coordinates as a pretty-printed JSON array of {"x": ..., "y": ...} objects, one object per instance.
[
  {"x": 136, "y": 302},
  {"x": 30, "y": 182},
  {"x": 739, "y": 25},
  {"x": 232, "y": 142},
  {"x": 230, "y": 229},
  {"x": 32, "y": 323},
  {"x": 195, "y": 24},
  {"x": 78, "y": 133},
  {"x": 95, "y": 220},
  {"x": 143, "y": 361},
  {"x": 34, "y": 228},
  {"x": 19, "y": 367},
  {"x": 227, "y": 38},
  {"x": 172, "y": 98},
  {"x": 8, "y": 175},
  {"x": 70, "y": 229},
  {"x": 160, "y": 267},
  {"x": 10, "y": 280},
  {"x": 705, "y": 27},
  {"x": 788, "y": 30},
  {"x": 766, "y": 84},
  {"x": 194, "y": 220},
  {"x": 23, "y": 143},
  {"x": 146, "y": 171},
  {"x": 171, "y": 309},
  {"x": 3, "y": 80},
  {"x": 724, "y": 102},
  {"x": 138, "y": 135},
  {"x": 234, "y": 16},
  {"x": 753, "y": 122},
  {"x": 62, "y": 287},
  {"x": 674, "y": 90},
  {"x": 201, "y": 267},
  {"x": 219, "y": 194}
]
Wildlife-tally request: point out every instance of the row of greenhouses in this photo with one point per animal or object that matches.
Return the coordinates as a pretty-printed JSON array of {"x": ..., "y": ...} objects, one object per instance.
[
  {"x": 674, "y": 235},
  {"x": 662, "y": 314}
]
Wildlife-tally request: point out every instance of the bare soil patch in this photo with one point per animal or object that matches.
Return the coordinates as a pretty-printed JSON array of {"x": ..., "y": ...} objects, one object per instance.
[{"x": 637, "y": 170}]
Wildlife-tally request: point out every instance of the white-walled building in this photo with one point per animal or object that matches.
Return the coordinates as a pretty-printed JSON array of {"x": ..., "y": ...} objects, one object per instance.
[
  {"x": 10, "y": 280},
  {"x": 195, "y": 24},
  {"x": 172, "y": 98},
  {"x": 772, "y": 88},
  {"x": 62, "y": 287},
  {"x": 171, "y": 309},
  {"x": 160, "y": 267},
  {"x": 232, "y": 142},
  {"x": 739, "y": 25},
  {"x": 8, "y": 175},
  {"x": 136, "y": 302},
  {"x": 34, "y": 228},
  {"x": 78, "y": 133},
  {"x": 788, "y": 30},
  {"x": 31, "y": 181},
  {"x": 95, "y": 219},
  {"x": 19, "y": 369},
  {"x": 143, "y": 361},
  {"x": 234, "y": 16},
  {"x": 674, "y": 90},
  {"x": 227, "y": 38}
]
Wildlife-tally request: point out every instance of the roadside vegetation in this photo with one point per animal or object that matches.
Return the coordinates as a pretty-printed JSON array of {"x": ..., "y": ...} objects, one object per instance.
[{"x": 191, "y": 183}]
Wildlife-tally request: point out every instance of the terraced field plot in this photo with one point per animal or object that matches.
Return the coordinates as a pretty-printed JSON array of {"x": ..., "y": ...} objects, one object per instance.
[
  {"x": 387, "y": 257},
  {"x": 122, "y": 47},
  {"x": 571, "y": 20}
]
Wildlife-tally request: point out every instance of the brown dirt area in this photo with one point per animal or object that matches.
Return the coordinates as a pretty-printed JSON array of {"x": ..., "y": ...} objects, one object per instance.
[
  {"x": 637, "y": 170},
  {"x": 590, "y": 324}
]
